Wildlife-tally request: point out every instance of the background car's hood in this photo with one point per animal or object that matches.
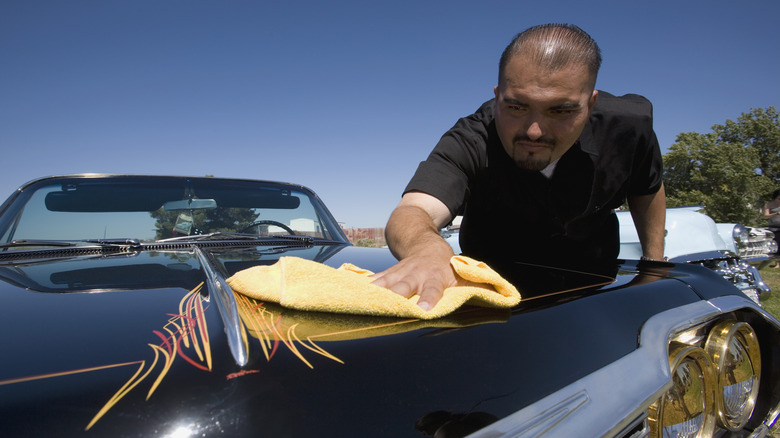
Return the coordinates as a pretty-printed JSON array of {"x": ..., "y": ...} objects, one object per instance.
[{"x": 133, "y": 345}]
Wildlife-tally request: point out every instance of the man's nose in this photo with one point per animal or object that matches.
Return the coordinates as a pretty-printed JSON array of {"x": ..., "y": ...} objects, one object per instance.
[{"x": 534, "y": 130}]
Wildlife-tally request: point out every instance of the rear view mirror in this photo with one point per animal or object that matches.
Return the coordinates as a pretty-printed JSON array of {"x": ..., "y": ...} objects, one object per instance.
[{"x": 190, "y": 204}]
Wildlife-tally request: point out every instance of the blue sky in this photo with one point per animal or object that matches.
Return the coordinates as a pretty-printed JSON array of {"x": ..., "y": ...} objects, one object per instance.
[{"x": 345, "y": 97}]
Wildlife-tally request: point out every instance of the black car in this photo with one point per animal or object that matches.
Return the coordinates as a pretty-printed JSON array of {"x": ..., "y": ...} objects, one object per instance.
[{"x": 118, "y": 320}]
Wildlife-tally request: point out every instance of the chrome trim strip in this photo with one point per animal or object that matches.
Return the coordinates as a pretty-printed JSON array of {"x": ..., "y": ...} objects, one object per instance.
[
  {"x": 765, "y": 429},
  {"x": 760, "y": 432},
  {"x": 548, "y": 419},
  {"x": 228, "y": 308},
  {"x": 771, "y": 418},
  {"x": 623, "y": 390}
]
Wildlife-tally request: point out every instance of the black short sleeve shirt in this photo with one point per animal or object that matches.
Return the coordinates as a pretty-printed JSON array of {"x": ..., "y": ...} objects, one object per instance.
[{"x": 568, "y": 220}]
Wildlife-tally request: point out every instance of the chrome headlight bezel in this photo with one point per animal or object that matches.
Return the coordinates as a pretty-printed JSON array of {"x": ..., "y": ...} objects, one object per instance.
[
  {"x": 729, "y": 350},
  {"x": 694, "y": 386},
  {"x": 741, "y": 235},
  {"x": 729, "y": 340}
]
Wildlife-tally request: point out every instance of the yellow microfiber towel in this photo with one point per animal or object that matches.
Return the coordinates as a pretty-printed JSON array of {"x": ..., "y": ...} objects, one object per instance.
[{"x": 306, "y": 285}]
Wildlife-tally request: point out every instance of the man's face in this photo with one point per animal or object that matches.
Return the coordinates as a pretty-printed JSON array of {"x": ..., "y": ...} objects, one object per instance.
[{"x": 541, "y": 113}]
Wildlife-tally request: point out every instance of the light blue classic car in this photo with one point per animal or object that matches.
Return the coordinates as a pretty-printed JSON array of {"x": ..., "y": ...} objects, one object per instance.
[{"x": 733, "y": 251}]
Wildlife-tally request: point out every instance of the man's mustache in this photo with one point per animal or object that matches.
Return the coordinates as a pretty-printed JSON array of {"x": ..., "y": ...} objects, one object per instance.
[{"x": 541, "y": 140}]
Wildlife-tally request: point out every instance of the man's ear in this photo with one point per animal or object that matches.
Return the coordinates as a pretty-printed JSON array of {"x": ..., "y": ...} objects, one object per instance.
[{"x": 592, "y": 100}]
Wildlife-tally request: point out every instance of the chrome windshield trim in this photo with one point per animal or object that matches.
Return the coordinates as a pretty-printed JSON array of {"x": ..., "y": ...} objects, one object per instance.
[
  {"x": 228, "y": 308},
  {"x": 616, "y": 396}
]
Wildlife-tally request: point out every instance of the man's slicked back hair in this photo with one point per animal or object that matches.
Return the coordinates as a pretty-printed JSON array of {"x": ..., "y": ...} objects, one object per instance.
[{"x": 554, "y": 46}]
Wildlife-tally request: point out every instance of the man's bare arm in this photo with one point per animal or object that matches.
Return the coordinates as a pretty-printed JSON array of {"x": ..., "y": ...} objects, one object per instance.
[
  {"x": 412, "y": 234},
  {"x": 649, "y": 214}
]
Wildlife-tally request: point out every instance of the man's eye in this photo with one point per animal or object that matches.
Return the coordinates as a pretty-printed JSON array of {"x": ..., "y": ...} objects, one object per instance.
[{"x": 562, "y": 112}]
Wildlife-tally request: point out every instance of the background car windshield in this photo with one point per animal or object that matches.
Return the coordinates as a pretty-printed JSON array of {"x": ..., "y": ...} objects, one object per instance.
[{"x": 157, "y": 208}]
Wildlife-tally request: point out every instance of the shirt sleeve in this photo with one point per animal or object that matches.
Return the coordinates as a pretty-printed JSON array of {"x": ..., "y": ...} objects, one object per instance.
[
  {"x": 455, "y": 160},
  {"x": 648, "y": 168},
  {"x": 622, "y": 129}
]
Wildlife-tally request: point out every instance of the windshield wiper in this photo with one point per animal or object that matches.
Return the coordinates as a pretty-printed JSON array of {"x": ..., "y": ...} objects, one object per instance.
[
  {"x": 37, "y": 248},
  {"x": 217, "y": 235},
  {"x": 324, "y": 241},
  {"x": 220, "y": 235},
  {"x": 65, "y": 243},
  {"x": 35, "y": 242},
  {"x": 297, "y": 237},
  {"x": 116, "y": 242}
]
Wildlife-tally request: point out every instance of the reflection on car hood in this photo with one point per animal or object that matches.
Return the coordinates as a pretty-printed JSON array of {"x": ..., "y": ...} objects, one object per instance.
[{"x": 132, "y": 344}]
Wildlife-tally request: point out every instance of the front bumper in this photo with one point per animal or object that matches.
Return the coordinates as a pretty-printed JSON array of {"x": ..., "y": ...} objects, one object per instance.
[{"x": 615, "y": 400}]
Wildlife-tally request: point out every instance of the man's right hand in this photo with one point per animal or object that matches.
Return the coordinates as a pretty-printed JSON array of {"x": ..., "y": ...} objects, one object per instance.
[
  {"x": 413, "y": 236},
  {"x": 426, "y": 274}
]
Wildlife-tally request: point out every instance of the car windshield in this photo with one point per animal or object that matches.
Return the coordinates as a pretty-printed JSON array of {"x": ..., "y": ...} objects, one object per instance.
[{"x": 150, "y": 208}]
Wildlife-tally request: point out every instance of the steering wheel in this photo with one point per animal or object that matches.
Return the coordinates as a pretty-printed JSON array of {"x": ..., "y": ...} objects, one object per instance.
[{"x": 268, "y": 222}]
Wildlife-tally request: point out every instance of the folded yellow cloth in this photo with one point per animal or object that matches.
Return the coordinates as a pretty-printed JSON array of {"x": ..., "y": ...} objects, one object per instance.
[{"x": 306, "y": 285}]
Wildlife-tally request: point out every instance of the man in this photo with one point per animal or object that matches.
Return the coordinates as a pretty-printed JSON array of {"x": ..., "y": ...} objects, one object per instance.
[{"x": 537, "y": 172}]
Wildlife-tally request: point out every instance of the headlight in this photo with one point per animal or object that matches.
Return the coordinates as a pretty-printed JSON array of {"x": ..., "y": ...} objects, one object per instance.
[
  {"x": 733, "y": 347},
  {"x": 688, "y": 408},
  {"x": 741, "y": 235}
]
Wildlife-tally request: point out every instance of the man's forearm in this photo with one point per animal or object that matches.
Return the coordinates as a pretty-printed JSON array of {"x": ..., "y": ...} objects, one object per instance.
[
  {"x": 412, "y": 234},
  {"x": 649, "y": 215},
  {"x": 410, "y": 230}
]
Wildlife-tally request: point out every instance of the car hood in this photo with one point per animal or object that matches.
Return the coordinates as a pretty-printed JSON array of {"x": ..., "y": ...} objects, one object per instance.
[{"x": 134, "y": 345}]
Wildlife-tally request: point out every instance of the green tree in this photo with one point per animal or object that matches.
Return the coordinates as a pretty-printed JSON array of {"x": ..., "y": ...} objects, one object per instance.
[
  {"x": 758, "y": 130},
  {"x": 729, "y": 171}
]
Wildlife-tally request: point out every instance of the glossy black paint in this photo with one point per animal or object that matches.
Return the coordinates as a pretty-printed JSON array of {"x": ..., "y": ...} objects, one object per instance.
[{"x": 78, "y": 313}]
